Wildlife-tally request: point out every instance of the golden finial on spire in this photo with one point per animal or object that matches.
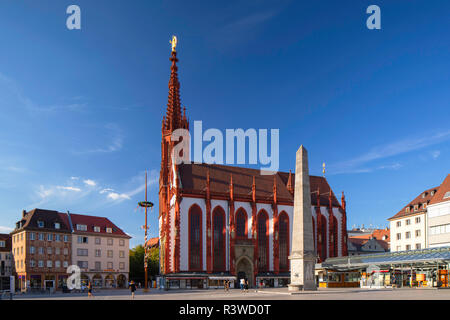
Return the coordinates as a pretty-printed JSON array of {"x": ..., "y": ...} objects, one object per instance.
[
  {"x": 323, "y": 170},
  {"x": 174, "y": 43}
]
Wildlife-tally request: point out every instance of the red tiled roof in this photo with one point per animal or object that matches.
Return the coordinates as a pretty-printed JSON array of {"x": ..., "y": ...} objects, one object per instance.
[
  {"x": 7, "y": 238},
  {"x": 193, "y": 180},
  {"x": 443, "y": 189},
  {"x": 359, "y": 241},
  {"x": 93, "y": 221},
  {"x": 153, "y": 242},
  {"x": 419, "y": 200},
  {"x": 376, "y": 234}
]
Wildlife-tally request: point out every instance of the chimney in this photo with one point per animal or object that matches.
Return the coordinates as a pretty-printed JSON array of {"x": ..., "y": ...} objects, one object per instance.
[{"x": 24, "y": 213}]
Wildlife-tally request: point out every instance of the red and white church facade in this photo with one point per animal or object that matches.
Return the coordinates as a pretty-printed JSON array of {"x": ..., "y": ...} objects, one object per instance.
[{"x": 220, "y": 222}]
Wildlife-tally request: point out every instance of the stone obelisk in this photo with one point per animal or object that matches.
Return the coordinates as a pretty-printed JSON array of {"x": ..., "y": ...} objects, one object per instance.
[{"x": 303, "y": 257}]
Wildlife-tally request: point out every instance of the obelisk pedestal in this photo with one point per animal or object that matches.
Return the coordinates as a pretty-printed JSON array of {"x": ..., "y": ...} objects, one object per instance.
[{"x": 303, "y": 256}]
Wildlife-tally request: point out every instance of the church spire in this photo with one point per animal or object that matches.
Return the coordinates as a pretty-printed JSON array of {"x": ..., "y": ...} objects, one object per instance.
[{"x": 174, "y": 118}]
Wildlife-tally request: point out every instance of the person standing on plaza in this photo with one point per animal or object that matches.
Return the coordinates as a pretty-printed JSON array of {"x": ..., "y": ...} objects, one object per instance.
[
  {"x": 132, "y": 289},
  {"x": 242, "y": 283},
  {"x": 246, "y": 285},
  {"x": 90, "y": 290}
]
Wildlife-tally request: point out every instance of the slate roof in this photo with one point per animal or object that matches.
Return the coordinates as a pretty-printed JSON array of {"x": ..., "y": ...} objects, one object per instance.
[
  {"x": 193, "y": 180},
  {"x": 7, "y": 238}
]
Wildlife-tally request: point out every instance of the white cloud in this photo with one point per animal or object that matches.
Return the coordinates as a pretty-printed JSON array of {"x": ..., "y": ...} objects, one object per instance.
[
  {"x": 74, "y": 178},
  {"x": 69, "y": 188},
  {"x": 389, "y": 150},
  {"x": 90, "y": 182},
  {"x": 118, "y": 196},
  {"x": 105, "y": 190},
  {"x": 5, "y": 229},
  {"x": 435, "y": 154}
]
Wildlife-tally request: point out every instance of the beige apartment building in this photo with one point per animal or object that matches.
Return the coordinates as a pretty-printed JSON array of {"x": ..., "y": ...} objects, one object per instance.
[
  {"x": 101, "y": 250},
  {"x": 439, "y": 216},
  {"x": 409, "y": 226},
  {"x": 41, "y": 247}
]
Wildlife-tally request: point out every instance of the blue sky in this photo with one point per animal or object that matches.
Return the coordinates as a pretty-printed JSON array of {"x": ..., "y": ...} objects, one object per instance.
[{"x": 80, "y": 111}]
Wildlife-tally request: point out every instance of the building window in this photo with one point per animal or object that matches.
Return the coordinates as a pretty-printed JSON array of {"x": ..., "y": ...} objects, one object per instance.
[
  {"x": 40, "y": 224},
  {"x": 82, "y": 239},
  {"x": 82, "y": 252},
  {"x": 41, "y": 250},
  {"x": 83, "y": 264},
  {"x": 66, "y": 238},
  {"x": 49, "y": 250},
  {"x": 98, "y": 240},
  {"x": 408, "y": 247},
  {"x": 399, "y": 236},
  {"x": 109, "y": 253},
  {"x": 416, "y": 207},
  {"x": 49, "y": 237},
  {"x": 417, "y": 233},
  {"x": 110, "y": 265},
  {"x": 41, "y": 264},
  {"x": 408, "y": 222},
  {"x": 57, "y": 251},
  {"x": 408, "y": 235},
  {"x": 57, "y": 225},
  {"x": 98, "y": 253},
  {"x": 122, "y": 265},
  {"x": 283, "y": 228},
  {"x": 81, "y": 227},
  {"x": 32, "y": 263},
  {"x": 65, "y": 264},
  {"x": 406, "y": 210},
  {"x": 424, "y": 205},
  {"x": 110, "y": 242},
  {"x": 418, "y": 246},
  {"x": 98, "y": 265},
  {"x": 32, "y": 236},
  {"x": 121, "y": 242},
  {"x": 121, "y": 254},
  {"x": 218, "y": 239},
  {"x": 32, "y": 250},
  {"x": 399, "y": 223},
  {"x": 96, "y": 229},
  {"x": 41, "y": 236},
  {"x": 49, "y": 263},
  {"x": 241, "y": 223},
  {"x": 263, "y": 241},
  {"x": 195, "y": 238},
  {"x": 2, "y": 244},
  {"x": 417, "y": 219},
  {"x": 57, "y": 264},
  {"x": 66, "y": 251},
  {"x": 108, "y": 230}
]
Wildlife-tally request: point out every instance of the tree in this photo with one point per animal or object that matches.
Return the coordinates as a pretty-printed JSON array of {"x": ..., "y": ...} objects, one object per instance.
[{"x": 137, "y": 272}]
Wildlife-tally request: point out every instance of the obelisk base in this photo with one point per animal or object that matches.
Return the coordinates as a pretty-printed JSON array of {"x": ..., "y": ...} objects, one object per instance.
[{"x": 302, "y": 272}]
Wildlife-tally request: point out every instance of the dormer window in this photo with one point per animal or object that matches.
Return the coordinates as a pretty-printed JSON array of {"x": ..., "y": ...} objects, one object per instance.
[
  {"x": 432, "y": 193},
  {"x": 447, "y": 195},
  {"x": 416, "y": 207},
  {"x": 108, "y": 230},
  {"x": 96, "y": 229},
  {"x": 424, "y": 195},
  {"x": 81, "y": 227},
  {"x": 407, "y": 209},
  {"x": 57, "y": 225},
  {"x": 40, "y": 224},
  {"x": 424, "y": 205}
]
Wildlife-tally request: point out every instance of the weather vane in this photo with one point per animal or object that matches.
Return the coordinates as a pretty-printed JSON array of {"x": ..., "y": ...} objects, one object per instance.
[
  {"x": 323, "y": 170},
  {"x": 174, "y": 43}
]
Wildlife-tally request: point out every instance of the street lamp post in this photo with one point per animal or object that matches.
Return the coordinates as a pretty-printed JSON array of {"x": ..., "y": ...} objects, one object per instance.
[{"x": 145, "y": 204}]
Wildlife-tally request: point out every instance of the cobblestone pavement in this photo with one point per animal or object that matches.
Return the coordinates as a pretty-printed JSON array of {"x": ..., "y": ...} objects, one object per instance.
[{"x": 266, "y": 294}]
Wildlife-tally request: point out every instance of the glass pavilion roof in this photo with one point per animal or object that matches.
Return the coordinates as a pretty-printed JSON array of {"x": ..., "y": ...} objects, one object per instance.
[{"x": 422, "y": 257}]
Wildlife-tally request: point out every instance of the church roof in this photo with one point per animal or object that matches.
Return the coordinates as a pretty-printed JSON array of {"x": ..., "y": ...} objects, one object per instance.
[{"x": 193, "y": 180}]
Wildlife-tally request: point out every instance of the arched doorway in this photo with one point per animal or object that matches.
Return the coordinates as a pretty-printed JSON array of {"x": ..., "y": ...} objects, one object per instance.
[
  {"x": 121, "y": 281},
  {"x": 97, "y": 280},
  {"x": 84, "y": 280},
  {"x": 109, "y": 281},
  {"x": 244, "y": 269}
]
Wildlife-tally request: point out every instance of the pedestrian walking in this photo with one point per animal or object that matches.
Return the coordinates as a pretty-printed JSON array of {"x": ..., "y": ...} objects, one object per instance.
[
  {"x": 246, "y": 285},
  {"x": 90, "y": 290},
  {"x": 242, "y": 283},
  {"x": 132, "y": 289}
]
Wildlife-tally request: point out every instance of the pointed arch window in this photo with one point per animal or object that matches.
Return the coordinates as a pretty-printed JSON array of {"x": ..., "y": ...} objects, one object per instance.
[
  {"x": 283, "y": 227},
  {"x": 241, "y": 224},
  {"x": 195, "y": 238},
  {"x": 218, "y": 239},
  {"x": 263, "y": 241}
]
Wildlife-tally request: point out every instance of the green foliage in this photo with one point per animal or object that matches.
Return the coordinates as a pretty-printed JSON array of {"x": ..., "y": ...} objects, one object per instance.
[{"x": 137, "y": 272}]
